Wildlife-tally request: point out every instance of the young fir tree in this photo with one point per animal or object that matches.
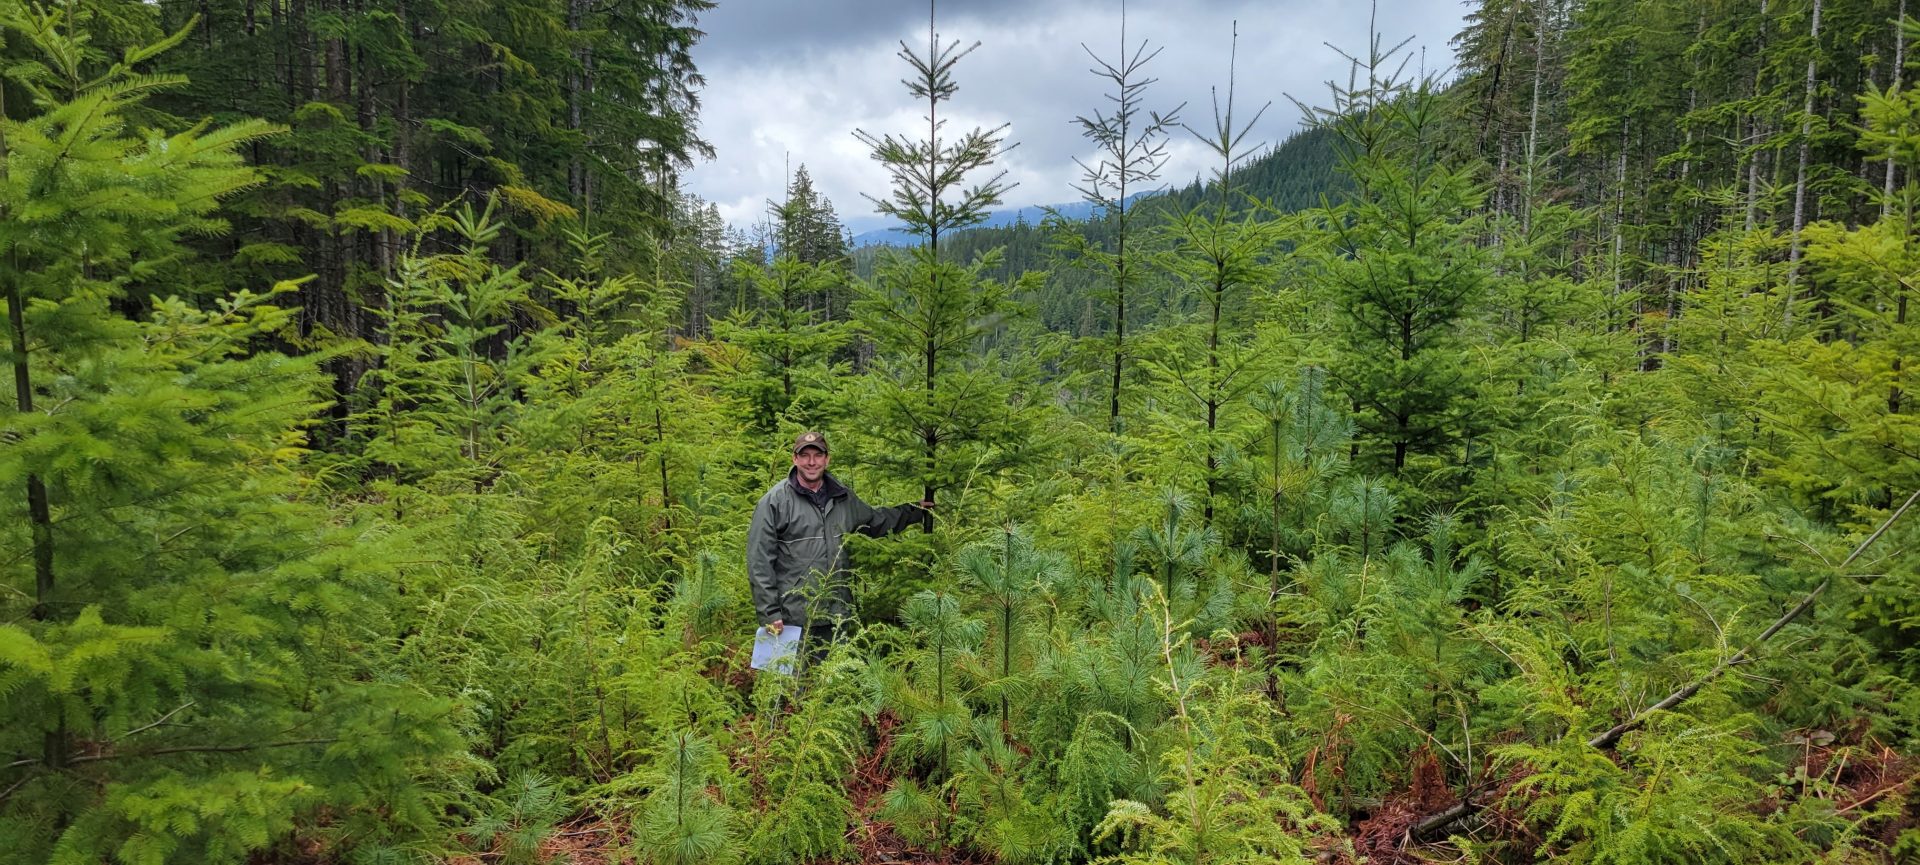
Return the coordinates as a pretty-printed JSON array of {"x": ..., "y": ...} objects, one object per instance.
[
  {"x": 191, "y": 651},
  {"x": 1005, "y": 577},
  {"x": 1220, "y": 255},
  {"x": 784, "y": 376},
  {"x": 938, "y": 410},
  {"x": 808, "y": 755},
  {"x": 520, "y": 819},
  {"x": 1300, "y": 451},
  {"x": 1132, "y": 147},
  {"x": 929, "y": 687},
  {"x": 1712, "y": 363},
  {"x": 1222, "y": 770},
  {"x": 1401, "y": 262},
  {"x": 681, "y": 822},
  {"x": 1176, "y": 553},
  {"x": 651, "y": 373},
  {"x": 450, "y": 372}
]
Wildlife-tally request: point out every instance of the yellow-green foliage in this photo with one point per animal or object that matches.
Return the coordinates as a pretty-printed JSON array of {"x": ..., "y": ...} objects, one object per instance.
[{"x": 1427, "y": 495}]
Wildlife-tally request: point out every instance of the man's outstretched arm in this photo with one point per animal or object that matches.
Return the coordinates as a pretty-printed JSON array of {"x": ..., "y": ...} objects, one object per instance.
[{"x": 880, "y": 522}]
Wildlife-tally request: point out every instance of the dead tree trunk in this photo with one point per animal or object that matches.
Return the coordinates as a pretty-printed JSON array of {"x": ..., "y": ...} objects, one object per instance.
[{"x": 1800, "y": 179}]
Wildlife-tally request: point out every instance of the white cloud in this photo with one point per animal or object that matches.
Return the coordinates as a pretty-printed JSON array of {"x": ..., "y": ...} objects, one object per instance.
[{"x": 799, "y": 98}]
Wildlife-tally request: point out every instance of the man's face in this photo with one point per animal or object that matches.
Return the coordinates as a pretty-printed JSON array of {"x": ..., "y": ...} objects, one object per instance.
[{"x": 812, "y": 465}]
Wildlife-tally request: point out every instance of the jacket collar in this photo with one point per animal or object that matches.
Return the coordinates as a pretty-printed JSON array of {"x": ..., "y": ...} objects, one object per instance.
[{"x": 830, "y": 486}]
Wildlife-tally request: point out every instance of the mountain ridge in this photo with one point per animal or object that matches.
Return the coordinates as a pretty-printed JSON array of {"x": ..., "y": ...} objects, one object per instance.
[{"x": 1031, "y": 214}]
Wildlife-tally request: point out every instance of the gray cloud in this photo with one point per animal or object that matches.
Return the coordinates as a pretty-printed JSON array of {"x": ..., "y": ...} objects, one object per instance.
[
  {"x": 792, "y": 81},
  {"x": 761, "y": 31}
]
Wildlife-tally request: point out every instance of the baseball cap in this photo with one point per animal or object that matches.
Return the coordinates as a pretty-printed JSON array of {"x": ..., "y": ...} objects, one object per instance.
[{"x": 810, "y": 439}]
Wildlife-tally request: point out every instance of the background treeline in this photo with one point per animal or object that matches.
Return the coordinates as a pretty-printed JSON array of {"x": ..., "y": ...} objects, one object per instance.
[{"x": 1501, "y": 469}]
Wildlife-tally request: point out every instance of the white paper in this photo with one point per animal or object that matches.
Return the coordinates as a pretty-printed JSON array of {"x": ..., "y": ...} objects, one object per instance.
[{"x": 776, "y": 652}]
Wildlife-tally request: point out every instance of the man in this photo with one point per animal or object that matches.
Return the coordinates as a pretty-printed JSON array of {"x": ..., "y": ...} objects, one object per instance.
[{"x": 795, "y": 559}]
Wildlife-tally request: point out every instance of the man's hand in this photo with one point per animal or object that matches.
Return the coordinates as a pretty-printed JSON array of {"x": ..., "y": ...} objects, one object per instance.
[
  {"x": 774, "y": 627},
  {"x": 926, "y": 504}
]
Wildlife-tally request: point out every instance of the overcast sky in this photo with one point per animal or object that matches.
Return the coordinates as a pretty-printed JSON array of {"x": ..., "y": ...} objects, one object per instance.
[{"x": 788, "y": 81}]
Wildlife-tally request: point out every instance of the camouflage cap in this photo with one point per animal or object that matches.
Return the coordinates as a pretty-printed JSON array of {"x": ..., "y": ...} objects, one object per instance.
[{"x": 810, "y": 439}]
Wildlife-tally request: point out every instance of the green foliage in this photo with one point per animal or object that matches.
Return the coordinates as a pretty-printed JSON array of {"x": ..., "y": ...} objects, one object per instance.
[
  {"x": 177, "y": 659},
  {"x": 1007, "y": 579},
  {"x": 521, "y": 818},
  {"x": 445, "y": 399},
  {"x": 680, "y": 823},
  {"x": 928, "y": 688},
  {"x": 1132, "y": 151},
  {"x": 1226, "y": 800},
  {"x": 1219, "y": 257},
  {"x": 775, "y": 359},
  {"x": 1675, "y": 795},
  {"x": 1175, "y": 553},
  {"x": 1509, "y": 453},
  {"x": 807, "y": 756},
  {"x": 1290, "y": 462},
  {"x": 944, "y": 414},
  {"x": 1398, "y": 267}
]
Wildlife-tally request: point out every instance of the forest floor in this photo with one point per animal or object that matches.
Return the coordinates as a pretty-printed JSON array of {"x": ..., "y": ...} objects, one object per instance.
[
  {"x": 1870, "y": 772},
  {"x": 1854, "y": 770}
]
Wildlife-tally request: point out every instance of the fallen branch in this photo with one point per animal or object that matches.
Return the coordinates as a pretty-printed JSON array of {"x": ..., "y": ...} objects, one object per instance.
[
  {"x": 199, "y": 749},
  {"x": 1871, "y": 797},
  {"x": 15, "y": 786},
  {"x": 1423, "y": 830},
  {"x": 1429, "y": 826},
  {"x": 1612, "y": 736},
  {"x": 163, "y": 719}
]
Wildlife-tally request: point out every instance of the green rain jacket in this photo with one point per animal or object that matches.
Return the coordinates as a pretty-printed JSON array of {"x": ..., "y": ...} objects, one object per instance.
[{"x": 795, "y": 558}]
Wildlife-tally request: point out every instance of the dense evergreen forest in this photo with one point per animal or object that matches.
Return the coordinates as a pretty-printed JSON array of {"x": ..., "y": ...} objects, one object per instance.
[{"x": 1507, "y": 467}]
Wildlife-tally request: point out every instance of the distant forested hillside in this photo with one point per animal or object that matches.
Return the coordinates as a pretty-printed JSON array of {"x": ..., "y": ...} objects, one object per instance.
[{"x": 1299, "y": 173}]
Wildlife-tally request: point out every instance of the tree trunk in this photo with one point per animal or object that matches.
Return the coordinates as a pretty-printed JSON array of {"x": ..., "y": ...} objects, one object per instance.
[
  {"x": 38, "y": 512},
  {"x": 930, "y": 434},
  {"x": 1214, "y": 388},
  {"x": 576, "y": 84},
  {"x": 1533, "y": 118},
  {"x": 1894, "y": 393},
  {"x": 402, "y": 135},
  {"x": 301, "y": 64},
  {"x": 282, "y": 50},
  {"x": 1619, "y": 220},
  {"x": 1800, "y": 179},
  {"x": 1899, "y": 64},
  {"x": 54, "y": 744},
  {"x": 1755, "y": 126}
]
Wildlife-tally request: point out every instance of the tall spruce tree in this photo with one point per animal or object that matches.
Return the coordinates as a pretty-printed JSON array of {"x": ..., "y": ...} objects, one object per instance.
[
  {"x": 1220, "y": 256},
  {"x": 785, "y": 374},
  {"x": 939, "y": 411},
  {"x": 1401, "y": 264},
  {"x": 809, "y": 229},
  {"x": 1131, "y": 143},
  {"x": 1845, "y": 403}
]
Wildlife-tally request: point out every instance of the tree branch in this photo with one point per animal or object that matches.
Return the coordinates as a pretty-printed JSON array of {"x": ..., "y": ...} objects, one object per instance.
[
  {"x": 1429, "y": 826},
  {"x": 1612, "y": 737},
  {"x": 203, "y": 749},
  {"x": 162, "y": 720}
]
